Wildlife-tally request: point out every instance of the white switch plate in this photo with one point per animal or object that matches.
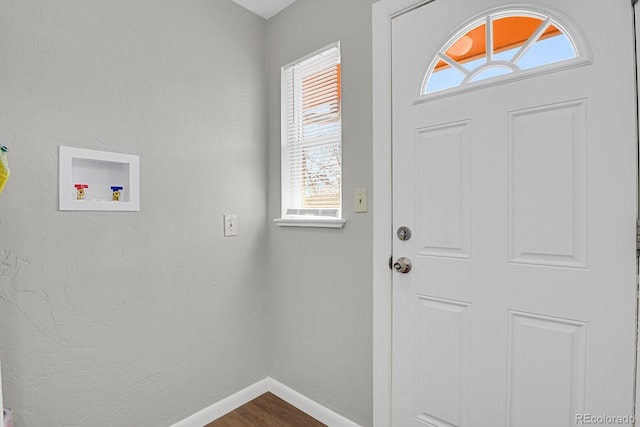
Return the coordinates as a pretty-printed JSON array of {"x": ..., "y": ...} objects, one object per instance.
[
  {"x": 360, "y": 198},
  {"x": 230, "y": 225}
]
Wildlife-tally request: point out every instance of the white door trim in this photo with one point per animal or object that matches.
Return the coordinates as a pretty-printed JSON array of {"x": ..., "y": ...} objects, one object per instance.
[{"x": 383, "y": 12}]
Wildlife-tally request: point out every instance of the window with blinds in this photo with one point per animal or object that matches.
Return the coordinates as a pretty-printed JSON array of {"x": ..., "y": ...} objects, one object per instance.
[{"x": 312, "y": 136}]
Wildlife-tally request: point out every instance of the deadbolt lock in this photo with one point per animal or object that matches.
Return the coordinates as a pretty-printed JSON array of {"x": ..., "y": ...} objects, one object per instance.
[{"x": 404, "y": 233}]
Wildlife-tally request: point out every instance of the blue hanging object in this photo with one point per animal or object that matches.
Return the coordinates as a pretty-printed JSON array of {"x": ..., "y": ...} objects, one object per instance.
[
  {"x": 116, "y": 193},
  {"x": 4, "y": 167}
]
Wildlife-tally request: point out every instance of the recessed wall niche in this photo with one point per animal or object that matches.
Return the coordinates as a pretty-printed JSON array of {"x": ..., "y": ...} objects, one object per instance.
[{"x": 92, "y": 180}]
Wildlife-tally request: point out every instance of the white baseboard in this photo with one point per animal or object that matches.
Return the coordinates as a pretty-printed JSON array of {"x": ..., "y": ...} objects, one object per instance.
[
  {"x": 317, "y": 411},
  {"x": 268, "y": 384},
  {"x": 223, "y": 407}
]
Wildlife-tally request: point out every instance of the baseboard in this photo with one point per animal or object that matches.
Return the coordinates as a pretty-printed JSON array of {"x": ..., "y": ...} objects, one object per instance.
[
  {"x": 317, "y": 411},
  {"x": 223, "y": 407}
]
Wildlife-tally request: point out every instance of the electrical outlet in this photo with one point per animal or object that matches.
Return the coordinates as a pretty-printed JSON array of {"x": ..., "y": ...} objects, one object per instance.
[
  {"x": 230, "y": 225},
  {"x": 360, "y": 198}
]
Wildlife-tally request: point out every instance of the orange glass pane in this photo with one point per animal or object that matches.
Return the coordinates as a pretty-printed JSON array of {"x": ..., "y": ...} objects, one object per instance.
[
  {"x": 508, "y": 33},
  {"x": 514, "y": 31},
  {"x": 467, "y": 47}
]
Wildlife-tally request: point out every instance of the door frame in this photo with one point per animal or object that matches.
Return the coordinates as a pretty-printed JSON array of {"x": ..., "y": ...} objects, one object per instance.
[{"x": 383, "y": 13}]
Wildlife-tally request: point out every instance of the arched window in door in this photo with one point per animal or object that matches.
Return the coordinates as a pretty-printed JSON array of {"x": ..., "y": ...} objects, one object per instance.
[{"x": 507, "y": 43}]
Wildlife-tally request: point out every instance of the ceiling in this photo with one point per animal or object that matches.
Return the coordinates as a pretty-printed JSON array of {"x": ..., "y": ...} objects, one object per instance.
[{"x": 264, "y": 8}]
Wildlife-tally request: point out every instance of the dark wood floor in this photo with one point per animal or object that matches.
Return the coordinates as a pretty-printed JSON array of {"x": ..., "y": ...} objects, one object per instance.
[{"x": 267, "y": 410}]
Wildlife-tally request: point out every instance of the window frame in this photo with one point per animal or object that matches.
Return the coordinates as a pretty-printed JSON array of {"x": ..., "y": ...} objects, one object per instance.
[
  {"x": 562, "y": 22},
  {"x": 308, "y": 219}
]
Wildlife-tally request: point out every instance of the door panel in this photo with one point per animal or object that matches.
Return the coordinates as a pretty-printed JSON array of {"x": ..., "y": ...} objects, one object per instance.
[
  {"x": 520, "y": 307},
  {"x": 443, "y": 190},
  {"x": 443, "y": 375},
  {"x": 548, "y": 180},
  {"x": 545, "y": 354}
]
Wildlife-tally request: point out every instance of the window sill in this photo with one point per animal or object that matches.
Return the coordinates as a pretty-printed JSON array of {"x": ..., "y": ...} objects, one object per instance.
[{"x": 310, "y": 222}]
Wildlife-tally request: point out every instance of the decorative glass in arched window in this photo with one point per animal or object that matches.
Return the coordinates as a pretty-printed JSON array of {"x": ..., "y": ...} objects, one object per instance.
[{"x": 506, "y": 43}]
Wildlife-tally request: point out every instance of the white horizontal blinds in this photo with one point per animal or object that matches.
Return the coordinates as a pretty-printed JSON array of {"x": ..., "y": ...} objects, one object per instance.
[{"x": 312, "y": 166}]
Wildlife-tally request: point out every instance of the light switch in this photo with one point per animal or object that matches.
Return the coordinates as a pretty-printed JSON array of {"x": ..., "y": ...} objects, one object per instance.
[
  {"x": 230, "y": 225},
  {"x": 361, "y": 202}
]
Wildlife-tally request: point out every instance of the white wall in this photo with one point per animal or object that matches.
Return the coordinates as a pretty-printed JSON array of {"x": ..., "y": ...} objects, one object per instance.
[
  {"x": 320, "y": 281},
  {"x": 132, "y": 319}
]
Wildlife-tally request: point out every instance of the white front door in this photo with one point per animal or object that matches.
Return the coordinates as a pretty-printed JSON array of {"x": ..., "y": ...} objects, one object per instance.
[{"x": 520, "y": 307}]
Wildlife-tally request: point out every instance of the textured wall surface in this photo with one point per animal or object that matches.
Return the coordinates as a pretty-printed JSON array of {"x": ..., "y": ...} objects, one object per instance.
[
  {"x": 320, "y": 280},
  {"x": 132, "y": 319}
]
